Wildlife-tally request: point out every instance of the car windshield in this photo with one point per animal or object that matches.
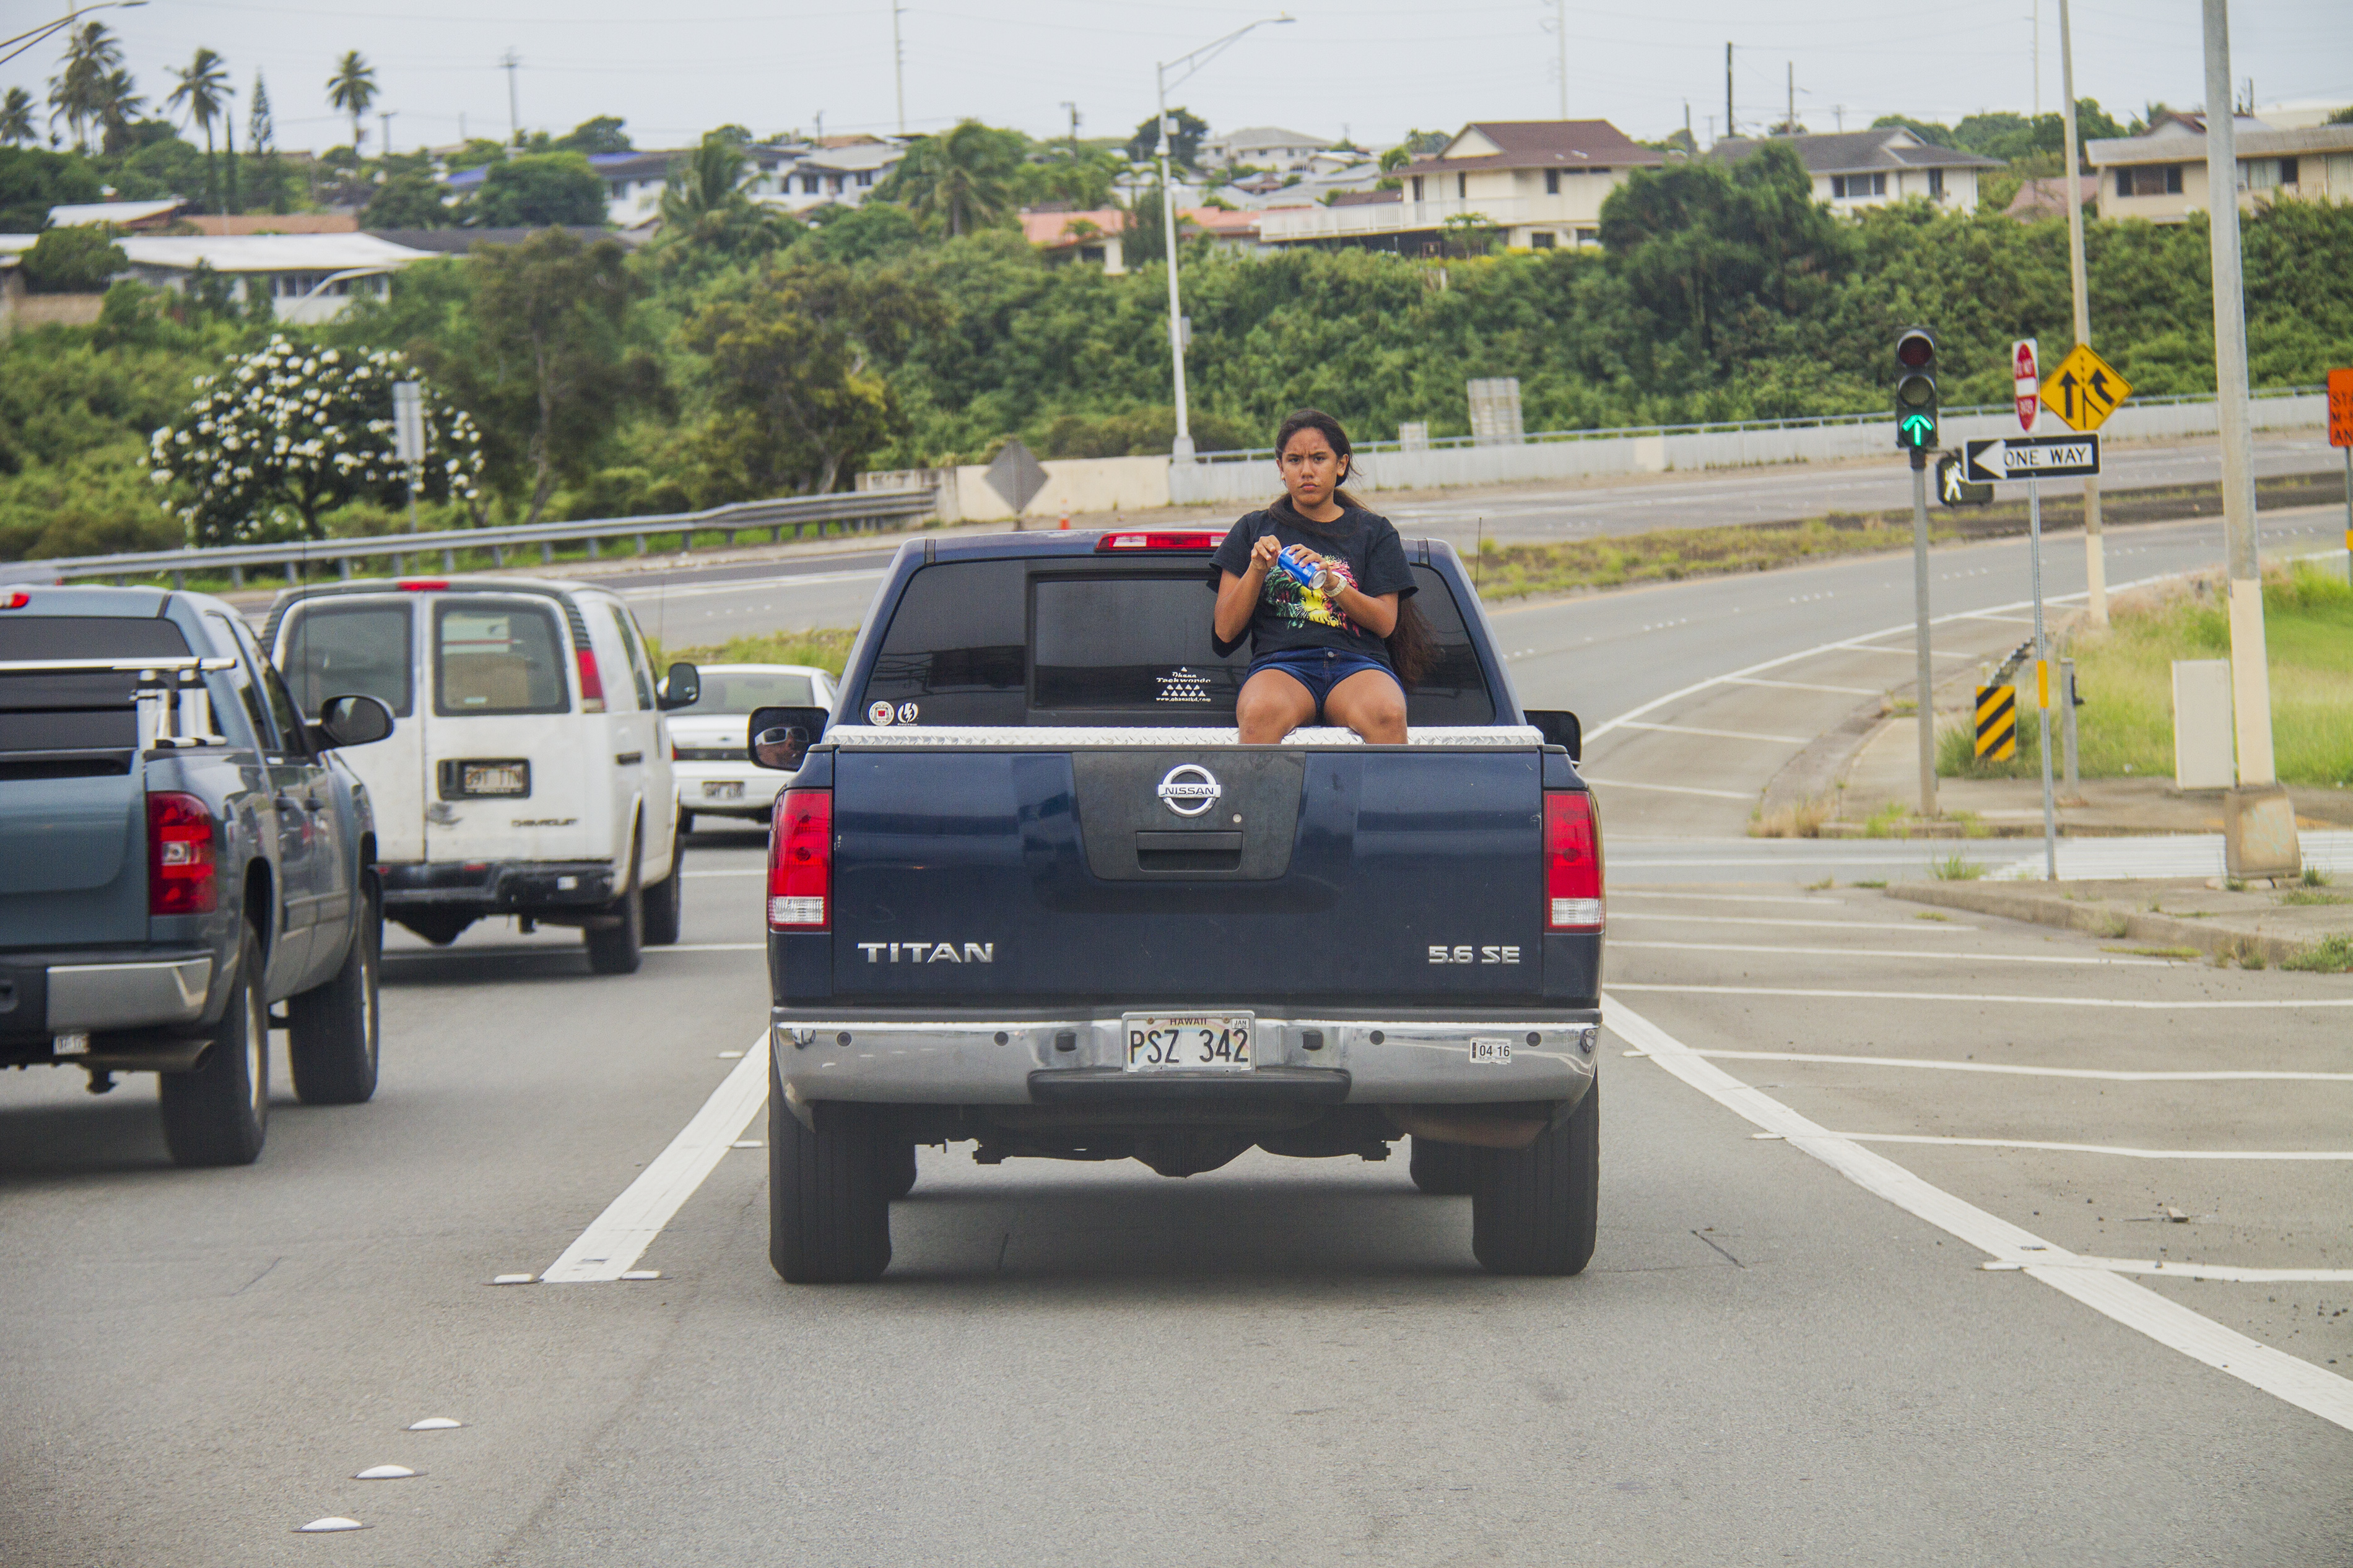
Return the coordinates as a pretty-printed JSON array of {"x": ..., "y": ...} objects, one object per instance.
[{"x": 742, "y": 690}]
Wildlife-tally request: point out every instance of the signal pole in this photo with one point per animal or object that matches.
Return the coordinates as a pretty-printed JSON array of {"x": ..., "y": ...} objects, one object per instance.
[
  {"x": 515, "y": 111},
  {"x": 899, "y": 65},
  {"x": 2096, "y": 565}
]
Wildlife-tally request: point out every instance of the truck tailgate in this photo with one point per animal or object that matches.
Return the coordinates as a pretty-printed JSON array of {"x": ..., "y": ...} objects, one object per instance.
[{"x": 1134, "y": 872}]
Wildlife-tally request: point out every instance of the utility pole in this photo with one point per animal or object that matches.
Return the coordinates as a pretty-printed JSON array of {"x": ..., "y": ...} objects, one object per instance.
[
  {"x": 514, "y": 110},
  {"x": 1790, "y": 115},
  {"x": 2258, "y": 823},
  {"x": 899, "y": 65},
  {"x": 1560, "y": 25},
  {"x": 1074, "y": 130},
  {"x": 1687, "y": 131},
  {"x": 1837, "y": 113},
  {"x": 2038, "y": 59},
  {"x": 2095, "y": 567},
  {"x": 384, "y": 118},
  {"x": 1728, "y": 122}
]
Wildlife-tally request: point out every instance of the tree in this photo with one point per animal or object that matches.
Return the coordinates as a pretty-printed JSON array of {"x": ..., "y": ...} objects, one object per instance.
[
  {"x": 792, "y": 353},
  {"x": 17, "y": 120},
  {"x": 707, "y": 182},
  {"x": 546, "y": 367},
  {"x": 1184, "y": 142},
  {"x": 537, "y": 190},
  {"x": 203, "y": 93},
  {"x": 75, "y": 260},
  {"x": 871, "y": 231},
  {"x": 351, "y": 88},
  {"x": 118, "y": 107},
  {"x": 261, "y": 127},
  {"x": 33, "y": 180},
  {"x": 960, "y": 181},
  {"x": 601, "y": 134},
  {"x": 1083, "y": 179},
  {"x": 407, "y": 201},
  {"x": 291, "y": 428},
  {"x": 79, "y": 94}
]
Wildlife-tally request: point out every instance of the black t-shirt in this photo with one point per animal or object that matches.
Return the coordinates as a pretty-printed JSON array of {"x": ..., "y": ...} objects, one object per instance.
[{"x": 1363, "y": 547}]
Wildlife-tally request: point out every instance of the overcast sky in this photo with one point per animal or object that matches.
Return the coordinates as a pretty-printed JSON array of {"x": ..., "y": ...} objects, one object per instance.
[{"x": 1373, "y": 69}]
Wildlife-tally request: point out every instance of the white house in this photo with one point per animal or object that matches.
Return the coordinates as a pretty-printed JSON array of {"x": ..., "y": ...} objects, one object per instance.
[
  {"x": 1856, "y": 169},
  {"x": 2161, "y": 176},
  {"x": 1263, "y": 147},
  {"x": 306, "y": 278}
]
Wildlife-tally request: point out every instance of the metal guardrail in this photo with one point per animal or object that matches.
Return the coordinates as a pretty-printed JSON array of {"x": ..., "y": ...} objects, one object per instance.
[
  {"x": 1802, "y": 422},
  {"x": 857, "y": 509}
]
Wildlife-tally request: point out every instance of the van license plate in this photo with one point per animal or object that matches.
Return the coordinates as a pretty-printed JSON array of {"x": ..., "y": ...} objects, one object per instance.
[
  {"x": 511, "y": 778},
  {"x": 1189, "y": 1041},
  {"x": 724, "y": 789}
]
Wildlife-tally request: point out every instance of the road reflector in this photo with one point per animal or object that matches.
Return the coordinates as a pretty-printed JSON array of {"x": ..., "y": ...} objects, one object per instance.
[
  {"x": 436, "y": 1423},
  {"x": 1996, "y": 723},
  {"x": 331, "y": 1525},
  {"x": 386, "y": 1473}
]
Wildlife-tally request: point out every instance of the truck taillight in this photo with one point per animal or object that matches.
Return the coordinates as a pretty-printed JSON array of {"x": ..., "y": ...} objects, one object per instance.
[
  {"x": 183, "y": 875},
  {"x": 1572, "y": 845},
  {"x": 800, "y": 860},
  {"x": 592, "y": 686}
]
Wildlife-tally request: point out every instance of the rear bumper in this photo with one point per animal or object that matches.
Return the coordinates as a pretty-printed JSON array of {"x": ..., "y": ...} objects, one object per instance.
[
  {"x": 43, "y": 995},
  {"x": 904, "y": 1059},
  {"x": 702, "y": 788},
  {"x": 497, "y": 887}
]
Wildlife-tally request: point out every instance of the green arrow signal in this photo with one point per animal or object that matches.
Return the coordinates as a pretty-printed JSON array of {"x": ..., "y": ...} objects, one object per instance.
[{"x": 1916, "y": 430}]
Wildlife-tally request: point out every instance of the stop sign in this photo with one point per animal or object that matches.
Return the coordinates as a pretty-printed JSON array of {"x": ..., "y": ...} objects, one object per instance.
[{"x": 2027, "y": 383}]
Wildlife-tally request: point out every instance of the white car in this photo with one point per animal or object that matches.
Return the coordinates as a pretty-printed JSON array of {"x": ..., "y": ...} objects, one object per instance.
[{"x": 709, "y": 741}]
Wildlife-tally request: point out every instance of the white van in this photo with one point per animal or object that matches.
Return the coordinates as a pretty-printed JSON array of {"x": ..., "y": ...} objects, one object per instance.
[{"x": 529, "y": 774}]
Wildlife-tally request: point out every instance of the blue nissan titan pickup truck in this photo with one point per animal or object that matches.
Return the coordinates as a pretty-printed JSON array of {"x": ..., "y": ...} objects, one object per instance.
[
  {"x": 180, "y": 852},
  {"x": 1028, "y": 891}
]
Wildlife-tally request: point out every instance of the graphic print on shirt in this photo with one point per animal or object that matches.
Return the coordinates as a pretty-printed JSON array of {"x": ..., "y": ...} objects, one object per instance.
[{"x": 1298, "y": 605}]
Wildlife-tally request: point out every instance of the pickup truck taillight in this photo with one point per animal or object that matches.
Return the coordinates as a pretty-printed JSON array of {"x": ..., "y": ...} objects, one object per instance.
[
  {"x": 181, "y": 872},
  {"x": 800, "y": 860},
  {"x": 1572, "y": 843}
]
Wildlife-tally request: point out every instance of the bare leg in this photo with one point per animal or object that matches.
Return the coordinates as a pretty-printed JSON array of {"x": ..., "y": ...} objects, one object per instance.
[
  {"x": 1272, "y": 705},
  {"x": 1371, "y": 703}
]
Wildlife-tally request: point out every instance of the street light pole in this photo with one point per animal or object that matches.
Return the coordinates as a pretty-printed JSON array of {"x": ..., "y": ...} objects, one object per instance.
[{"x": 1183, "y": 445}]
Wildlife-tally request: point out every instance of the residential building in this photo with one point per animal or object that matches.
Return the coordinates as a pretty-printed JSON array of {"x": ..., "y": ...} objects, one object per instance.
[
  {"x": 1094, "y": 237},
  {"x": 128, "y": 217},
  {"x": 1541, "y": 182},
  {"x": 1852, "y": 170},
  {"x": 1263, "y": 147},
  {"x": 306, "y": 278},
  {"x": 838, "y": 170},
  {"x": 2162, "y": 175}
]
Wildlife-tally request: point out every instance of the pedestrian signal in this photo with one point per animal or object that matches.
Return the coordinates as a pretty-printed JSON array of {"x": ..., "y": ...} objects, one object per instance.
[{"x": 1952, "y": 485}]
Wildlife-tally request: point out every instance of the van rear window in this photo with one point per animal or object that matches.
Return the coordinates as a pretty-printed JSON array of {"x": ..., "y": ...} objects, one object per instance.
[
  {"x": 342, "y": 650},
  {"x": 491, "y": 658}
]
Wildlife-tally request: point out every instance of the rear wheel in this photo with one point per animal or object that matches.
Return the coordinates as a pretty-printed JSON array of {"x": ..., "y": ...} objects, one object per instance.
[
  {"x": 217, "y": 1115},
  {"x": 335, "y": 1035},
  {"x": 1534, "y": 1210},
  {"x": 899, "y": 1170},
  {"x": 665, "y": 900},
  {"x": 685, "y": 823},
  {"x": 619, "y": 947},
  {"x": 828, "y": 1203},
  {"x": 1442, "y": 1170}
]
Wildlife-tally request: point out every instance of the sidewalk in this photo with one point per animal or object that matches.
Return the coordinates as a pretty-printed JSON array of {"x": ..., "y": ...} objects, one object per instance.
[{"x": 2177, "y": 916}]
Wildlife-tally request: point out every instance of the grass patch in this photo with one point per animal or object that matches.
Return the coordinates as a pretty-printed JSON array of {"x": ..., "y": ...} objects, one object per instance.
[
  {"x": 2330, "y": 955},
  {"x": 1870, "y": 882},
  {"x": 1887, "y": 821},
  {"x": 825, "y": 648},
  {"x": 1671, "y": 554},
  {"x": 2126, "y": 676},
  {"x": 1953, "y": 868},
  {"x": 1803, "y": 820},
  {"x": 2158, "y": 952},
  {"x": 1933, "y": 916},
  {"x": 2308, "y": 895}
]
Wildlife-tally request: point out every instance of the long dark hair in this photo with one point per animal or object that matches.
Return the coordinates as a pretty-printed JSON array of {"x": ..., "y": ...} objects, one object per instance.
[{"x": 1409, "y": 647}]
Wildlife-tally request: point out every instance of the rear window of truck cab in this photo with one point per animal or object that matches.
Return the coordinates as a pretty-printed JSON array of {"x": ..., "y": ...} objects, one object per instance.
[
  {"x": 74, "y": 712},
  {"x": 1076, "y": 642},
  {"x": 497, "y": 657}
]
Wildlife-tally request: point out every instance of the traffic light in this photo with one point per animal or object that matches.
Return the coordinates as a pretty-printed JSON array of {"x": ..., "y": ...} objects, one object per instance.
[{"x": 1915, "y": 390}]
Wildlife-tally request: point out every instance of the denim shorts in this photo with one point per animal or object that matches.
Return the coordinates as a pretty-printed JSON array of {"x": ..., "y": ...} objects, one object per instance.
[{"x": 1319, "y": 669}]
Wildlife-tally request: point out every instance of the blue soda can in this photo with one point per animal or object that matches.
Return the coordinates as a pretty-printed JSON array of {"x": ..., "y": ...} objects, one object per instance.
[{"x": 1305, "y": 575}]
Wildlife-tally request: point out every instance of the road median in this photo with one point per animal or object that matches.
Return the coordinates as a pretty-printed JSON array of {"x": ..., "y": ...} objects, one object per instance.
[{"x": 2251, "y": 926}]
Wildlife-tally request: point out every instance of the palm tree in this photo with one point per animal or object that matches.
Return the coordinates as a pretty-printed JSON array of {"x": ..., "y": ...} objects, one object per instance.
[
  {"x": 351, "y": 88},
  {"x": 16, "y": 118},
  {"x": 79, "y": 94},
  {"x": 710, "y": 180},
  {"x": 965, "y": 178},
  {"x": 203, "y": 92},
  {"x": 119, "y": 105}
]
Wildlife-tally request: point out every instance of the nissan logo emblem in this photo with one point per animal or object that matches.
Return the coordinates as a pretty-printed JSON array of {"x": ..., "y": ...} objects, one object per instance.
[{"x": 1190, "y": 789}]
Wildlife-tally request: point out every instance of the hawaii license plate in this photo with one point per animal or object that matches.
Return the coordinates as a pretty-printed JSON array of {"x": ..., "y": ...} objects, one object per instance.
[
  {"x": 724, "y": 789},
  {"x": 1189, "y": 1041}
]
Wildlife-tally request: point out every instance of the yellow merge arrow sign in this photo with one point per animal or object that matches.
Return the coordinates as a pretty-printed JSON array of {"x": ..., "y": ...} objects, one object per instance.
[{"x": 2084, "y": 390}]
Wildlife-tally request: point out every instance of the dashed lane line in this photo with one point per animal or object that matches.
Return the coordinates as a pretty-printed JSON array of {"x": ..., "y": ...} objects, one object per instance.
[
  {"x": 2117, "y": 1149},
  {"x": 617, "y": 1238},
  {"x": 2266, "y": 1004},
  {"x": 1617, "y": 893},
  {"x": 1899, "y": 952},
  {"x": 1805, "y": 685},
  {"x": 2227, "y": 1273},
  {"x": 1932, "y": 927},
  {"x": 1673, "y": 789},
  {"x": 2021, "y": 1069},
  {"x": 2290, "y": 1378},
  {"x": 1719, "y": 734}
]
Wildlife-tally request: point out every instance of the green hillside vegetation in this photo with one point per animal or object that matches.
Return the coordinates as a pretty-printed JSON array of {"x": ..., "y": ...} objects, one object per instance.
[{"x": 745, "y": 353}]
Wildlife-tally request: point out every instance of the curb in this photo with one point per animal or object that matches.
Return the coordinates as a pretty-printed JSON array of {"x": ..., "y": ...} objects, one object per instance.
[{"x": 2115, "y": 922}]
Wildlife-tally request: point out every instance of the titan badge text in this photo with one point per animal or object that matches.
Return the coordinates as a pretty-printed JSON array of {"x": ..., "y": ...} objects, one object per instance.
[{"x": 928, "y": 951}]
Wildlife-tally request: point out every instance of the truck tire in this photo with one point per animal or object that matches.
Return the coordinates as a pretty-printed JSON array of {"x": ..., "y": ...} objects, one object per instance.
[
  {"x": 685, "y": 823},
  {"x": 334, "y": 1034},
  {"x": 619, "y": 948},
  {"x": 217, "y": 1115},
  {"x": 828, "y": 1203},
  {"x": 899, "y": 1170},
  {"x": 1442, "y": 1170},
  {"x": 666, "y": 900},
  {"x": 1534, "y": 1210}
]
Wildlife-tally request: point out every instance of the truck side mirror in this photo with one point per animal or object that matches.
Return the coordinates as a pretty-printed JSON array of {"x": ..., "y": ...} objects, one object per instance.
[
  {"x": 350, "y": 721},
  {"x": 781, "y": 737},
  {"x": 1559, "y": 726},
  {"x": 682, "y": 688}
]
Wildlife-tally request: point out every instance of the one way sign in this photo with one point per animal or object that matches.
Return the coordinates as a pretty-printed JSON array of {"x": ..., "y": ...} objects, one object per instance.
[{"x": 2032, "y": 457}]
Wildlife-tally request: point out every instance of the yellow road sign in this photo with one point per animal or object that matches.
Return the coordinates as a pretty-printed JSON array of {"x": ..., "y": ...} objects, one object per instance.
[
  {"x": 1997, "y": 722},
  {"x": 2085, "y": 389}
]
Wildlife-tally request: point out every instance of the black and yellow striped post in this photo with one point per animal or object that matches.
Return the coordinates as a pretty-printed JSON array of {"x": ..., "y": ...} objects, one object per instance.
[{"x": 1996, "y": 723}]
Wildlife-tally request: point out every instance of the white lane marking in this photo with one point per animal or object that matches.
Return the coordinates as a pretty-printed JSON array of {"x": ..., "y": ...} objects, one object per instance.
[
  {"x": 2110, "y": 1075},
  {"x": 1673, "y": 789},
  {"x": 1979, "y": 996},
  {"x": 2228, "y": 1273},
  {"x": 746, "y": 585},
  {"x": 1929, "y": 928},
  {"x": 1898, "y": 952},
  {"x": 2288, "y": 1377},
  {"x": 522, "y": 949},
  {"x": 617, "y": 1238},
  {"x": 1723, "y": 897},
  {"x": 716, "y": 947},
  {"x": 1897, "y": 853},
  {"x": 1989, "y": 616},
  {"x": 2117, "y": 1149},
  {"x": 1719, "y": 734},
  {"x": 745, "y": 871},
  {"x": 1805, "y": 685}
]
